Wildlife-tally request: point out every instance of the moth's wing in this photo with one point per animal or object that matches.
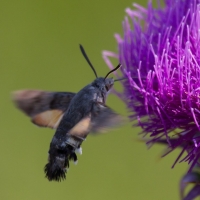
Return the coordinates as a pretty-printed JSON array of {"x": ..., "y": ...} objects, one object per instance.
[
  {"x": 82, "y": 128},
  {"x": 45, "y": 108},
  {"x": 104, "y": 118},
  {"x": 99, "y": 120},
  {"x": 49, "y": 118}
]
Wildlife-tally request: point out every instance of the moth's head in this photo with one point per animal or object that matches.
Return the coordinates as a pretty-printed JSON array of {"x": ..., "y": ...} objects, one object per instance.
[
  {"x": 109, "y": 82},
  {"x": 104, "y": 85}
]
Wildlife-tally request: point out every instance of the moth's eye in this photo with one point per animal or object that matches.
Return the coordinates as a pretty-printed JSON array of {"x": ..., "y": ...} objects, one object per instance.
[{"x": 107, "y": 88}]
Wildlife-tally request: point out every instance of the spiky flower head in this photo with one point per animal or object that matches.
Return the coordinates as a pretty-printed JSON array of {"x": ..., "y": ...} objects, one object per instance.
[{"x": 161, "y": 61}]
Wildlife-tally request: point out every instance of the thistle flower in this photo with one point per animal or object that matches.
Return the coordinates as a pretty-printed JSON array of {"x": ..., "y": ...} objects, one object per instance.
[{"x": 161, "y": 62}]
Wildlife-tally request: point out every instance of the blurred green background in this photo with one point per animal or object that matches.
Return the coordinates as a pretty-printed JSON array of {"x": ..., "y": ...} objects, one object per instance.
[{"x": 39, "y": 50}]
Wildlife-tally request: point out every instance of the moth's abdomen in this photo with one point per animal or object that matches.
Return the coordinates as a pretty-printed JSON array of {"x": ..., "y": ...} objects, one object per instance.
[{"x": 58, "y": 164}]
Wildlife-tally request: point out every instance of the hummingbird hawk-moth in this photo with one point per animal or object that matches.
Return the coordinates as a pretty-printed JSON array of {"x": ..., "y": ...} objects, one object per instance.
[{"x": 73, "y": 116}]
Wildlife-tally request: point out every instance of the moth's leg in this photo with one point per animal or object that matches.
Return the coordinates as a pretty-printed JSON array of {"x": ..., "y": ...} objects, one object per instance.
[
  {"x": 74, "y": 158},
  {"x": 79, "y": 150}
]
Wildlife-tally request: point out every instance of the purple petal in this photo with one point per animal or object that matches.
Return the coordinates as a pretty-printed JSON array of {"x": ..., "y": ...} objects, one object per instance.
[
  {"x": 161, "y": 60},
  {"x": 160, "y": 56}
]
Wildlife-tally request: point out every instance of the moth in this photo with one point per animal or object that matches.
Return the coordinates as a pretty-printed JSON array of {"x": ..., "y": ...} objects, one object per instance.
[{"x": 73, "y": 115}]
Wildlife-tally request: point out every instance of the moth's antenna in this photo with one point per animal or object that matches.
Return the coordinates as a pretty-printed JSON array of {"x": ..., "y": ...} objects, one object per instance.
[
  {"x": 116, "y": 68},
  {"x": 87, "y": 59}
]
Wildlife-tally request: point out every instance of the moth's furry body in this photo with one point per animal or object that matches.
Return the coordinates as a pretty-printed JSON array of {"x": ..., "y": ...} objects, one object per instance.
[
  {"x": 82, "y": 105},
  {"x": 73, "y": 116}
]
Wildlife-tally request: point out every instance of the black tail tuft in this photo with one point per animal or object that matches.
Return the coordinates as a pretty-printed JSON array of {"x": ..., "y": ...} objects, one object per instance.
[
  {"x": 58, "y": 162},
  {"x": 54, "y": 173}
]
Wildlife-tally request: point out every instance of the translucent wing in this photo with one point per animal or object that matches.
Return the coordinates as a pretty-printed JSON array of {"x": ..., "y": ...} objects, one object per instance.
[
  {"x": 45, "y": 108},
  {"x": 103, "y": 118},
  {"x": 99, "y": 120}
]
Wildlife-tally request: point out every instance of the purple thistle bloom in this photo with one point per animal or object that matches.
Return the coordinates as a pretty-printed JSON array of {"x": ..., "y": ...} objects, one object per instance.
[{"x": 161, "y": 61}]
